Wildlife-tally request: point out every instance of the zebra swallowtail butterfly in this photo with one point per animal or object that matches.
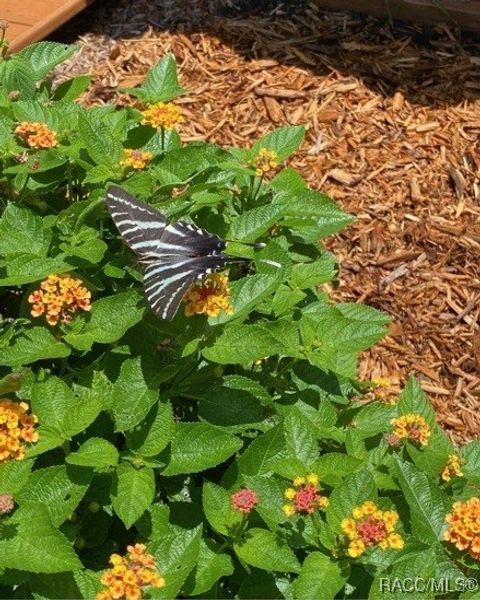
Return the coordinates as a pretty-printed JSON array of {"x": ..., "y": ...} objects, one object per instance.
[{"x": 175, "y": 255}]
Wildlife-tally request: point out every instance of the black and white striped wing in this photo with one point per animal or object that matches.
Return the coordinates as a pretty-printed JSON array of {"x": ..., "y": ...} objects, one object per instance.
[
  {"x": 147, "y": 233},
  {"x": 166, "y": 282}
]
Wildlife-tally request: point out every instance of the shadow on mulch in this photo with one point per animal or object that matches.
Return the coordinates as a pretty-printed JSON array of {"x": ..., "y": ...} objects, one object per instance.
[{"x": 432, "y": 65}]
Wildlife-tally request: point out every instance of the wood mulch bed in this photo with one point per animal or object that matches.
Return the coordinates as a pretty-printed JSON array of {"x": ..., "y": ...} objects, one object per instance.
[{"x": 393, "y": 119}]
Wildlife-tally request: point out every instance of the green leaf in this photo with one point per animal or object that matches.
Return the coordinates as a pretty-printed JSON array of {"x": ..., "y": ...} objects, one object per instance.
[
  {"x": 110, "y": 319},
  {"x": 133, "y": 492},
  {"x": 54, "y": 586},
  {"x": 264, "y": 550},
  {"x": 319, "y": 577},
  {"x": 152, "y": 435},
  {"x": 354, "y": 490},
  {"x": 470, "y": 461},
  {"x": 72, "y": 88},
  {"x": 262, "y": 453},
  {"x": 14, "y": 475},
  {"x": 198, "y": 446},
  {"x": 44, "y": 56},
  {"x": 247, "y": 343},
  {"x": 27, "y": 268},
  {"x": 270, "y": 493},
  {"x": 427, "y": 511},
  {"x": 253, "y": 223},
  {"x": 97, "y": 138},
  {"x": 218, "y": 509},
  {"x": 212, "y": 564},
  {"x": 176, "y": 554},
  {"x": 308, "y": 275},
  {"x": 284, "y": 141},
  {"x": 161, "y": 83},
  {"x": 413, "y": 400},
  {"x": 10, "y": 383},
  {"x": 88, "y": 583},
  {"x": 133, "y": 397},
  {"x": 22, "y": 232},
  {"x": 235, "y": 400},
  {"x": 301, "y": 438},
  {"x": 285, "y": 299},
  {"x": 36, "y": 546},
  {"x": 31, "y": 345},
  {"x": 60, "y": 488},
  {"x": 95, "y": 452},
  {"x": 18, "y": 76},
  {"x": 332, "y": 467}
]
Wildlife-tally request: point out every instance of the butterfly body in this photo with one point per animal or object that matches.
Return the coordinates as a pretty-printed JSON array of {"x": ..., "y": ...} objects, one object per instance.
[{"x": 174, "y": 255}]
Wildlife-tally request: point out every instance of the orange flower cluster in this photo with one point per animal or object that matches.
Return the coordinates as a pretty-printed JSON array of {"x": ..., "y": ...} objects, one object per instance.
[
  {"x": 452, "y": 468},
  {"x": 265, "y": 161},
  {"x": 130, "y": 574},
  {"x": 136, "y": 159},
  {"x": 464, "y": 526},
  {"x": 209, "y": 296},
  {"x": 304, "y": 496},
  {"x": 58, "y": 297},
  {"x": 17, "y": 428},
  {"x": 245, "y": 500},
  {"x": 368, "y": 526},
  {"x": 36, "y": 135},
  {"x": 412, "y": 427},
  {"x": 162, "y": 114}
]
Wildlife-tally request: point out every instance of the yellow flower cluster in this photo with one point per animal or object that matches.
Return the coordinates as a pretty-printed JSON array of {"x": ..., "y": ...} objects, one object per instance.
[
  {"x": 304, "y": 496},
  {"x": 17, "y": 428},
  {"x": 209, "y": 296},
  {"x": 452, "y": 468},
  {"x": 464, "y": 526},
  {"x": 130, "y": 574},
  {"x": 384, "y": 391},
  {"x": 162, "y": 114},
  {"x": 136, "y": 159},
  {"x": 58, "y": 298},
  {"x": 265, "y": 161},
  {"x": 368, "y": 526},
  {"x": 412, "y": 427},
  {"x": 36, "y": 135}
]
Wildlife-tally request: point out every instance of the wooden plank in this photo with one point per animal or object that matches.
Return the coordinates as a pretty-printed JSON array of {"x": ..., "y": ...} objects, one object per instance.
[
  {"x": 32, "y": 20},
  {"x": 465, "y": 13}
]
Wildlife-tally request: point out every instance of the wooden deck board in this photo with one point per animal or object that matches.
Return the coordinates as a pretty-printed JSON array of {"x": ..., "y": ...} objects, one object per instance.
[
  {"x": 32, "y": 20},
  {"x": 465, "y": 13}
]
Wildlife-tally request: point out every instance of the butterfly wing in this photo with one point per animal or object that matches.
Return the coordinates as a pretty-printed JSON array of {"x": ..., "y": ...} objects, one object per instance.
[
  {"x": 146, "y": 232},
  {"x": 166, "y": 282}
]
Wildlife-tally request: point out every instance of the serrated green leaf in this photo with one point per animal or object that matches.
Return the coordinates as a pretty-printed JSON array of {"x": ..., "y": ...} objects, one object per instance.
[
  {"x": 212, "y": 564},
  {"x": 218, "y": 509},
  {"x": 97, "y": 138},
  {"x": 470, "y": 457},
  {"x": 31, "y": 345},
  {"x": 247, "y": 343},
  {"x": 19, "y": 76},
  {"x": 308, "y": 275},
  {"x": 72, "y": 88},
  {"x": 424, "y": 499},
  {"x": 253, "y": 223},
  {"x": 285, "y": 299},
  {"x": 176, "y": 554},
  {"x": 353, "y": 491},
  {"x": 60, "y": 488},
  {"x": 152, "y": 435},
  {"x": 413, "y": 400},
  {"x": 36, "y": 545},
  {"x": 270, "y": 494},
  {"x": 133, "y": 396},
  {"x": 300, "y": 438},
  {"x": 257, "y": 459},
  {"x": 44, "y": 56},
  {"x": 54, "y": 586},
  {"x": 132, "y": 493},
  {"x": 27, "y": 268},
  {"x": 95, "y": 452},
  {"x": 199, "y": 446},
  {"x": 283, "y": 140},
  {"x": 22, "y": 232},
  {"x": 161, "y": 82},
  {"x": 14, "y": 475},
  {"x": 264, "y": 550},
  {"x": 319, "y": 577}
]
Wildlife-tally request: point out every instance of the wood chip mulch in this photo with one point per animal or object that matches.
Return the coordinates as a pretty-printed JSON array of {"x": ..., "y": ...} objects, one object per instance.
[{"x": 393, "y": 118}]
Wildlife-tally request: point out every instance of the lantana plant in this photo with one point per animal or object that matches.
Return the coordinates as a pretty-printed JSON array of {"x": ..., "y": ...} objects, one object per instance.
[{"x": 231, "y": 452}]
